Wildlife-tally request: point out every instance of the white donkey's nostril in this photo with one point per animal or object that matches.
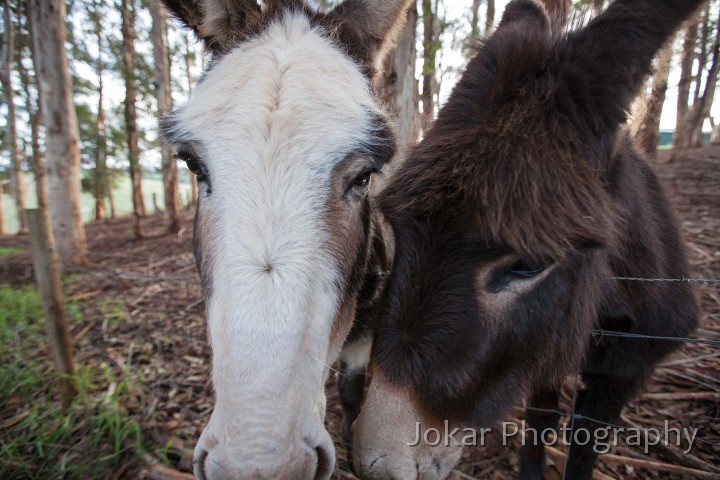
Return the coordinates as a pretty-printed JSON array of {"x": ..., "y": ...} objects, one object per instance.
[
  {"x": 325, "y": 461},
  {"x": 199, "y": 463}
]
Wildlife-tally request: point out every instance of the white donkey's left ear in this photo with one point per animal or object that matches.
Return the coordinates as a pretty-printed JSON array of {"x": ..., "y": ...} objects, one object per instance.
[
  {"x": 369, "y": 28},
  {"x": 221, "y": 24}
]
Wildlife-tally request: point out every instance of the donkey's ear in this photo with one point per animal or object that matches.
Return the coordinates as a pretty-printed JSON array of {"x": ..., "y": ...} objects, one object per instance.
[
  {"x": 221, "y": 24},
  {"x": 527, "y": 12},
  {"x": 603, "y": 66},
  {"x": 369, "y": 29}
]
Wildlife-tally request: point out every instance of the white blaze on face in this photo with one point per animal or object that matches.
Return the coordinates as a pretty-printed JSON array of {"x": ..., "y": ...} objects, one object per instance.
[{"x": 270, "y": 122}]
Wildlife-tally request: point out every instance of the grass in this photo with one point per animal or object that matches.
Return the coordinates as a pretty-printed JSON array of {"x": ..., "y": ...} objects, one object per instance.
[
  {"x": 95, "y": 437},
  {"x": 9, "y": 250}
]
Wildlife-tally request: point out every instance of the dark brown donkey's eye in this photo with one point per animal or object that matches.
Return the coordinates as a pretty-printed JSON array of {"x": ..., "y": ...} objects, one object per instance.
[
  {"x": 528, "y": 268},
  {"x": 520, "y": 270}
]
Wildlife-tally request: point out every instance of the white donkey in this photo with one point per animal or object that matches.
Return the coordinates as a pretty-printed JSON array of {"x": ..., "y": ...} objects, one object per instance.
[{"x": 284, "y": 135}]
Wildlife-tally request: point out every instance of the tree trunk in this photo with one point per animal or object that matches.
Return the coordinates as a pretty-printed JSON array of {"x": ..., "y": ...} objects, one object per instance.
[
  {"x": 61, "y": 129},
  {"x": 489, "y": 17},
  {"x": 128, "y": 53},
  {"x": 704, "y": 27},
  {"x": 2, "y": 209},
  {"x": 37, "y": 161},
  {"x": 164, "y": 103},
  {"x": 101, "y": 177},
  {"x": 715, "y": 137},
  {"x": 475, "y": 20},
  {"x": 399, "y": 86},
  {"x": 648, "y": 134},
  {"x": 429, "y": 54},
  {"x": 111, "y": 199},
  {"x": 11, "y": 139},
  {"x": 701, "y": 109},
  {"x": 681, "y": 137},
  {"x": 188, "y": 72}
]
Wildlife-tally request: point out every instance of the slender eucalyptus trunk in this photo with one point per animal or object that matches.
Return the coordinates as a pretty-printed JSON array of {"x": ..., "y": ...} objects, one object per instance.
[
  {"x": 398, "y": 85},
  {"x": 101, "y": 177},
  {"x": 681, "y": 137},
  {"x": 2, "y": 209},
  {"x": 164, "y": 104},
  {"x": 128, "y": 53},
  {"x": 701, "y": 108},
  {"x": 35, "y": 119},
  {"x": 475, "y": 20},
  {"x": 188, "y": 72},
  {"x": 429, "y": 64},
  {"x": 648, "y": 134},
  {"x": 11, "y": 138},
  {"x": 62, "y": 137},
  {"x": 490, "y": 17}
]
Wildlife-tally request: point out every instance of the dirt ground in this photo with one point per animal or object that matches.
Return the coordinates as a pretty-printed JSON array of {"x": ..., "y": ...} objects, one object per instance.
[{"x": 161, "y": 342}]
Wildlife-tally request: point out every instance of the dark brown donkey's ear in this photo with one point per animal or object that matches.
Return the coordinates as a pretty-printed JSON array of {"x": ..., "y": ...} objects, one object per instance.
[
  {"x": 221, "y": 24},
  {"x": 369, "y": 29},
  {"x": 602, "y": 66},
  {"x": 528, "y": 12}
]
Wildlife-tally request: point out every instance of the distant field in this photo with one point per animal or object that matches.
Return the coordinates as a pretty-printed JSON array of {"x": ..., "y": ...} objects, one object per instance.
[{"x": 123, "y": 199}]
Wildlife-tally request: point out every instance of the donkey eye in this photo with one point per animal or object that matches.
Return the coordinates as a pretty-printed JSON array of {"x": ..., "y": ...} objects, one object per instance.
[
  {"x": 192, "y": 163},
  {"x": 523, "y": 269},
  {"x": 362, "y": 181},
  {"x": 528, "y": 268}
]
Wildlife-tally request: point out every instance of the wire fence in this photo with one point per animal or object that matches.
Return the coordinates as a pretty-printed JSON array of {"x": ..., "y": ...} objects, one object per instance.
[{"x": 599, "y": 334}]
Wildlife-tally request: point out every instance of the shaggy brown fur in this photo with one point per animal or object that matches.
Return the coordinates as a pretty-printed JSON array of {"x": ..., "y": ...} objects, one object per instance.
[{"x": 528, "y": 171}]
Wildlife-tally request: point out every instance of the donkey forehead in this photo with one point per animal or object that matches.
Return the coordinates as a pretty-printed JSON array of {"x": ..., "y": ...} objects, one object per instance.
[{"x": 290, "y": 89}]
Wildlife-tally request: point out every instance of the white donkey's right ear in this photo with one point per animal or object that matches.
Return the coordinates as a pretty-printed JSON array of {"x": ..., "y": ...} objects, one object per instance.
[
  {"x": 220, "y": 24},
  {"x": 369, "y": 28}
]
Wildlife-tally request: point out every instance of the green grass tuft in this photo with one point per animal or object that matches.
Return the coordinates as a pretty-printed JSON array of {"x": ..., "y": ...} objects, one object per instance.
[
  {"x": 9, "y": 250},
  {"x": 94, "y": 438}
]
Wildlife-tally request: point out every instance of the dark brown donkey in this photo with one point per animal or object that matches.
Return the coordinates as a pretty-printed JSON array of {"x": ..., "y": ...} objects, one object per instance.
[{"x": 511, "y": 219}]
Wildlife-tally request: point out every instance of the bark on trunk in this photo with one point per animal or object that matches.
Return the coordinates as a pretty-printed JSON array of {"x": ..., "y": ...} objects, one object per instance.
[
  {"x": 399, "y": 86},
  {"x": 429, "y": 53},
  {"x": 701, "y": 109},
  {"x": 37, "y": 161},
  {"x": 715, "y": 137},
  {"x": 681, "y": 137},
  {"x": 61, "y": 129},
  {"x": 101, "y": 180},
  {"x": 475, "y": 20},
  {"x": 2, "y": 209},
  {"x": 164, "y": 103},
  {"x": 490, "y": 17},
  {"x": 128, "y": 52},
  {"x": 188, "y": 72},
  {"x": 648, "y": 134},
  {"x": 16, "y": 160}
]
